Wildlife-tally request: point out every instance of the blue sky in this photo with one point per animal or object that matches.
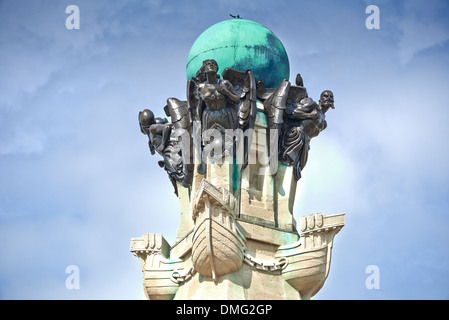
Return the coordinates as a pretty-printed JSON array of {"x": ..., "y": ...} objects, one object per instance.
[{"x": 77, "y": 180}]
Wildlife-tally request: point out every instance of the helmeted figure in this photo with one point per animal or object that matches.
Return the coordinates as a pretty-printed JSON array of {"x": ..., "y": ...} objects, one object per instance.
[{"x": 172, "y": 140}]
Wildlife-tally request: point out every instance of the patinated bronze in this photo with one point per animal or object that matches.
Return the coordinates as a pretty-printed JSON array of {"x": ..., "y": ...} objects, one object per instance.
[
  {"x": 206, "y": 123},
  {"x": 304, "y": 119},
  {"x": 220, "y": 106},
  {"x": 166, "y": 139}
]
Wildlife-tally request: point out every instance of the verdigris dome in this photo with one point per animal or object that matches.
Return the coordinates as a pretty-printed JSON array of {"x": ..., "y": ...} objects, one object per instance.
[{"x": 241, "y": 44}]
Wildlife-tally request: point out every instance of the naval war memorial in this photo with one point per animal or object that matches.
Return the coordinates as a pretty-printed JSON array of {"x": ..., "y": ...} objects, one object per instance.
[{"x": 234, "y": 149}]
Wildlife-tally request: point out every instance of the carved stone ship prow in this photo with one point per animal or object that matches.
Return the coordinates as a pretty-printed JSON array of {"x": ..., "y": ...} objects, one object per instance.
[
  {"x": 217, "y": 243},
  {"x": 308, "y": 260},
  {"x": 153, "y": 253}
]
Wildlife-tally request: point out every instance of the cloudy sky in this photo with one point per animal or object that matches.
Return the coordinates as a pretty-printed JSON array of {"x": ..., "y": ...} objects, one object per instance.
[{"x": 77, "y": 180}]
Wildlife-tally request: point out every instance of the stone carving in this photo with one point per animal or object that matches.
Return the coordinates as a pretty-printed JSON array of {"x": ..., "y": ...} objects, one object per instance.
[
  {"x": 153, "y": 251},
  {"x": 217, "y": 243},
  {"x": 234, "y": 151},
  {"x": 308, "y": 260}
]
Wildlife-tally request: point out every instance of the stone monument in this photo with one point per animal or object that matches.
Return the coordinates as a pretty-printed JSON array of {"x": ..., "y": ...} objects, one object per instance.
[{"x": 234, "y": 151}]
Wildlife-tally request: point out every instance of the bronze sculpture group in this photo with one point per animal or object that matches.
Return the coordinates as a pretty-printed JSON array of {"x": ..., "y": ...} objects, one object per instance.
[{"x": 205, "y": 125}]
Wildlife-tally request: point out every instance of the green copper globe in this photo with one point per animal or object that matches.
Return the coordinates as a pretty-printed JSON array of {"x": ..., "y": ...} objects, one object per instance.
[{"x": 241, "y": 44}]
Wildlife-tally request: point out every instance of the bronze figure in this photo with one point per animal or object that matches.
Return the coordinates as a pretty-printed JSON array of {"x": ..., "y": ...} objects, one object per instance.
[
  {"x": 164, "y": 140},
  {"x": 227, "y": 107},
  {"x": 181, "y": 135},
  {"x": 293, "y": 119},
  {"x": 218, "y": 96},
  {"x": 244, "y": 84},
  {"x": 302, "y": 122},
  {"x": 220, "y": 105}
]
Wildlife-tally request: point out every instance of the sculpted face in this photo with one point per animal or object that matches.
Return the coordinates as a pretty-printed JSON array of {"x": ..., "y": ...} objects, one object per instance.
[
  {"x": 327, "y": 100},
  {"x": 210, "y": 66}
]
